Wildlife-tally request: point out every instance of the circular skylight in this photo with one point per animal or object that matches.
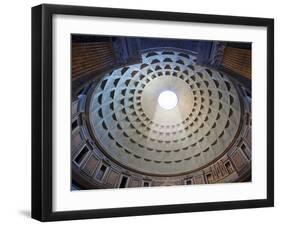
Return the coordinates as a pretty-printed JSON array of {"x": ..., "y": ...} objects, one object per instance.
[{"x": 167, "y": 100}]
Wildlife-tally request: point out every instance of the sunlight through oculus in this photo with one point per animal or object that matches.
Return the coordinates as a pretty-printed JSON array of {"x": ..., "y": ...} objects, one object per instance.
[{"x": 167, "y": 100}]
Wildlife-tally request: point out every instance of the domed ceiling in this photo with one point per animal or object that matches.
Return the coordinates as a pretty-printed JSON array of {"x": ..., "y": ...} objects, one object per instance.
[{"x": 133, "y": 130}]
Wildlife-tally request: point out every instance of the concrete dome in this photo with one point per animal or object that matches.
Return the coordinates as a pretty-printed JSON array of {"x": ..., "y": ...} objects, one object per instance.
[{"x": 136, "y": 132}]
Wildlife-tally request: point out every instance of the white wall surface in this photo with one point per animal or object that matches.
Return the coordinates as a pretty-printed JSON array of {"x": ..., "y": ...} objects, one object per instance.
[{"x": 15, "y": 70}]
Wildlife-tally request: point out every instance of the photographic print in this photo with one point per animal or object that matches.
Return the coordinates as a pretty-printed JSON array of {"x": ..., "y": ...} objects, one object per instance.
[
  {"x": 138, "y": 112},
  {"x": 152, "y": 112}
]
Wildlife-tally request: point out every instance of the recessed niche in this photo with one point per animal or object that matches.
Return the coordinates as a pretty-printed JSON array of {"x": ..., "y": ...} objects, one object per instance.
[
  {"x": 123, "y": 182},
  {"x": 146, "y": 184},
  {"x": 188, "y": 181},
  {"x": 209, "y": 178},
  {"x": 74, "y": 124},
  {"x": 82, "y": 154},
  {"x": 228, "y": 167},
  {"x": 101, "y": 172}
]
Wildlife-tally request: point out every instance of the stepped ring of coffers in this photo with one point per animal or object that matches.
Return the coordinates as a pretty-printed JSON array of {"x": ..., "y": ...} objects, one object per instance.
[{"x": 136, "y": 132}]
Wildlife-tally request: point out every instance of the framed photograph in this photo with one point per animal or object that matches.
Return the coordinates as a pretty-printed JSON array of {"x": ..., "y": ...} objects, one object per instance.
[{"x": 147, "y": 112}]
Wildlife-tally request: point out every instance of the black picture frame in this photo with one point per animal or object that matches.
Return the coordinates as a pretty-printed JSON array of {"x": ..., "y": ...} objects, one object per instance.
[{"x": 42, "y": 107}]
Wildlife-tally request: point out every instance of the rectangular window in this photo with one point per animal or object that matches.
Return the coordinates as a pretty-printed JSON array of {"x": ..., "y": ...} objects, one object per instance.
[
  {"x": 101, "y": 172},
  {"x": 78, "y": 159},
  {"x": 228, "y": 167},
  {"x": 74, "y": 124},
  {"x": 247, "y": 119},
  {"x": 123, "y": 182},
  {"x": 244, "y": 149},
  {"x": 188, "y": 182},
  {"x": 146, "y": 184},
  {"x": 248, "y": 94},
  {"x": 80, "y": 92},
  {"x": 209, "y": 178}
]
